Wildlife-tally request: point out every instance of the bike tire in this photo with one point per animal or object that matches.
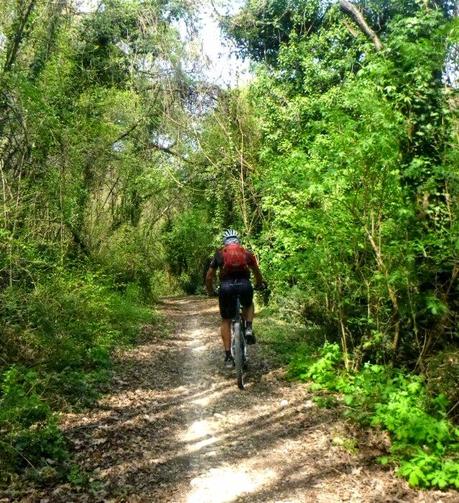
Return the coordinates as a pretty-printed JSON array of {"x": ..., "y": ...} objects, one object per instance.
[{"x": 238, "y": 354}]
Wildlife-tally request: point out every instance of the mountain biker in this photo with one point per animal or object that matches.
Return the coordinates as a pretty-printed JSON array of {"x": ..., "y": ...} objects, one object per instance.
[{"x": 234, "y": 263}]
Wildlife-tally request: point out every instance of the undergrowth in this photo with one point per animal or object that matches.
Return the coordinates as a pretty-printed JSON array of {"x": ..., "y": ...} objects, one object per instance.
[
  {"x": 424, "y": 442},
  {"x": 58, "y": 337}
]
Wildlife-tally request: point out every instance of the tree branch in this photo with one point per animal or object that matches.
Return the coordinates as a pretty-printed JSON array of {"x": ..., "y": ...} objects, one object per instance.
[
  {"x": 357, "y": 16},
  {"x": 18, "y": 36},
  {"x": 167, "y": 150}
]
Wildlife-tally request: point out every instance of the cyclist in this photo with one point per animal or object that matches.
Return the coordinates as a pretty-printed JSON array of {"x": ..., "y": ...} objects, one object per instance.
[{"x": 234, "y": 263}]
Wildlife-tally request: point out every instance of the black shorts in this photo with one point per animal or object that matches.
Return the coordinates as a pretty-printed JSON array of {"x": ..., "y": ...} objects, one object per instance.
[{"x": 229, "y": 290}]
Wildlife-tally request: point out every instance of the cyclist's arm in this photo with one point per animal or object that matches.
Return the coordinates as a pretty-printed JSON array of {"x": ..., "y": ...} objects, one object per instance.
[
  {"x": 259, "y": 281},
  {"x": 253, "y": 265},
  {"x": 210, "y": 278},
  {"x": 215, "y": 263}
]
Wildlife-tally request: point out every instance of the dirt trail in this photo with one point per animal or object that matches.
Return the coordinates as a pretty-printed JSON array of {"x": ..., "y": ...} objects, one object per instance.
[{"x": 176, "y": 429}]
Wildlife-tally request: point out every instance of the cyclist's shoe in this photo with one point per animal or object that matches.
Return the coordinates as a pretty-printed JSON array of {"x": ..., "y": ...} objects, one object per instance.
[
  {"x": 250, "y": 336},
  {"x": 229, "y": 362}
]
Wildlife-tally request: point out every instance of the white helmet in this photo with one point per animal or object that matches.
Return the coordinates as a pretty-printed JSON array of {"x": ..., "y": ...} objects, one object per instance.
[{"x": 230, "y": 235}]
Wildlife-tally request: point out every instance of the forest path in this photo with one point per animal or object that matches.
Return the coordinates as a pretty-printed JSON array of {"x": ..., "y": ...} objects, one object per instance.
[{"x": 175, "y": 428}]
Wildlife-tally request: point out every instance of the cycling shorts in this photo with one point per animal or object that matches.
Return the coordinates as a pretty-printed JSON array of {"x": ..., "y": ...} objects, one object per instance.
[{"x": 229, "y": 290}]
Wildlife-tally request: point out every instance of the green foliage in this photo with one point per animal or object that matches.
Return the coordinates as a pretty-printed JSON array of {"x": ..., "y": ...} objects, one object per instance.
[
  {"x": 358, "y": 189},
  {"x": 226, "y": 165},
  {"x": 289, "y": 343},
  {"x": 424, "y": 443},
  {"x": 86, "y": 103},
  {"x": 133, "y": 263},
  {"x": 86, "y": 107},
  {"x": 318, "y": 367},
  {"x": 31, "y": 439},
  {"x": 65, "y": 328},
  {"x": 442, "y": 371},
  {"x": 322, "y": 370},
  {"x": 68, "y": 322},
  {"x": 188, "y": 241},
  {"x": 423, "y": 440},
  {"x": 261, "y": 27}
]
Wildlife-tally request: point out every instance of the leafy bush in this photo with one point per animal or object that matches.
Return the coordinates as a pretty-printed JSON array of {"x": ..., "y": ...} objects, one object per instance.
[
  {"x": 68, "y": 321},
  {"x": 65, "y": 328},
  {"x": 189, "y": 240},
  {"x": 425, "y": 444},
  {"x": 442, "y": 371},
  {"x": 132, "y": 261},
  {"x": 31, "y": 439},
  {"x": 323, "y": 370}
]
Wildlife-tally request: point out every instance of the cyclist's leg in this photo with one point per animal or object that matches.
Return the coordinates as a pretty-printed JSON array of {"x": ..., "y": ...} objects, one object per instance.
[
  {"x": 249, "y": 312},
  {"x": 225, "y": 330},
  {"x": 227, "y": 304},
  {"x": 246, "y": 296}
]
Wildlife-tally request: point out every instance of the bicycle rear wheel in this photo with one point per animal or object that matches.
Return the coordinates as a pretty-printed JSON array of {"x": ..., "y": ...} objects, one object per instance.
[{"x": 238, "y": 355}]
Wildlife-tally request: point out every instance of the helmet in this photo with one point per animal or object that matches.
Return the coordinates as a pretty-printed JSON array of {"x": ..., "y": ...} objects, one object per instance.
[{"x": 230, "y": 235}]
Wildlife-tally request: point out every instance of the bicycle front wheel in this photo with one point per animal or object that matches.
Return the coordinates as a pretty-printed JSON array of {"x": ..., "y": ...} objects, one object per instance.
[{"x": 238, "y": 354}]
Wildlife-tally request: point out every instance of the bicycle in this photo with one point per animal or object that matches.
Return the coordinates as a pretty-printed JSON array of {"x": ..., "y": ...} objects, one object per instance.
[
  {"x": 239, "y": 344},
  {"x": 238, "y": 340}
]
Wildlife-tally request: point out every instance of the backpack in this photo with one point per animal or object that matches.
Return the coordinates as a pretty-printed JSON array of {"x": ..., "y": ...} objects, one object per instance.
[{"x": 234, "y": 258}]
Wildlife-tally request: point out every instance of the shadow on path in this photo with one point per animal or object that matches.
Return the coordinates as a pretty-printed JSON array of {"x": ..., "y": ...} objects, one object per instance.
[{"x": 176, "y": 429}]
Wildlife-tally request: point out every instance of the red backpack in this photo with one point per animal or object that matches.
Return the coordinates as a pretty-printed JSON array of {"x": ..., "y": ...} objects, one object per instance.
[{"x": 234, "y": 258}]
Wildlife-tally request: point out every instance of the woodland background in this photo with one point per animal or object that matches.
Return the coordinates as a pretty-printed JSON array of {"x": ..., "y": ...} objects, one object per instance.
[{"x": 121, "y": 165}]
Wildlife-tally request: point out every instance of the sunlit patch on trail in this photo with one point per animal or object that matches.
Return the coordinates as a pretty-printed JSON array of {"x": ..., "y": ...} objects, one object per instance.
[
  {"x": 197, "y": 429},
  {"x": 199, "y": 435},
  {"x": 225, "y": 484},
  {"x": 202, "y": 402},
  {"x": 200, "y": 349}
]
